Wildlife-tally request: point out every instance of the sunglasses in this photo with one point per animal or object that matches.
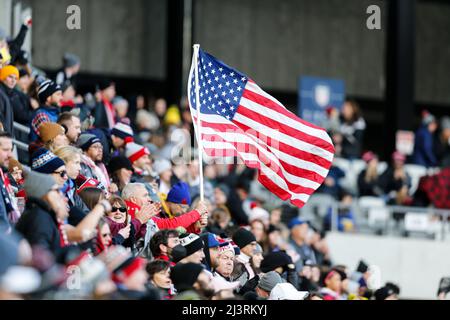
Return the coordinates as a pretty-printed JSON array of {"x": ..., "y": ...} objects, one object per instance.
[
  {"x": 62, "y": 174},
  {"x": 121, "y": 209}
]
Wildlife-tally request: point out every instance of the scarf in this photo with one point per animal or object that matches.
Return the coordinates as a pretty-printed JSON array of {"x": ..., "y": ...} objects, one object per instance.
[
  {"x": 99, "y": 171},
  {"x": 110, "y": 113},
  {"x": 9, "y": 198}
]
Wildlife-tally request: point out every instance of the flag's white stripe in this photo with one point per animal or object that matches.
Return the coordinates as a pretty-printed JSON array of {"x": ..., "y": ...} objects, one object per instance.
[
  {"x": 251, "y": 157},
  {"x": 284, "y": 120},
  {"x": 242, "y": 138},
  {"x": 251, "y": 86},
  {"x": 282, "y": 137}
]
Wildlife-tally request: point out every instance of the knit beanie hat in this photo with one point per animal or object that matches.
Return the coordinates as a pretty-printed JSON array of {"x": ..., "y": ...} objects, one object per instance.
[
  {"x": 45, "y": 161},
  {"x": 38, "y": 185},
  {"x": 184, "y": 275},
  {"x": 46, "y": 89},
  {"x": 50, "y": 130},
  {"x": 70, "y": 60},
  {"x": 123, "y": 131},
  {"x": 134, "y": 151},
  {"x": 179, "y": 194},
  {"x": 126, "y": 269},
  {"x": 86, "y": 140},
  {"x": 161, "y": 165},
  {"x": 226, "y": 247},
  {"x": 172, "y": 116},
  {"x": 191, "y": 242},
  {"x": 13, "y": 163},
  {"x": 274, "y": 260},
  {"x": 269, "y": 280},
  {"x": 243, "y": 237},
  {"x": 8, "y": 70},
  {"x": 104, "y": 84},
  {"x": 119, "y": 162}
]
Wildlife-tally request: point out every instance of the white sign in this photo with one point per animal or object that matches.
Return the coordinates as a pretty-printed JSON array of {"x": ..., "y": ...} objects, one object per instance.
[
  {"x": 404, "y": 142},
  {"x": 416, "y": 222}
]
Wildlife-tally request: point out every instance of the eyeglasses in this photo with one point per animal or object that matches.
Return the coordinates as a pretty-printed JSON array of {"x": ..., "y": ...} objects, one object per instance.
[
  {"x": 121, "y": 209},
  {"x": 62, "y": 174}
]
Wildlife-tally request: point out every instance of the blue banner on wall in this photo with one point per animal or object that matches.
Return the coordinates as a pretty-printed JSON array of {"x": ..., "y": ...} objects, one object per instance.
[{"x": 316, "y": 95}]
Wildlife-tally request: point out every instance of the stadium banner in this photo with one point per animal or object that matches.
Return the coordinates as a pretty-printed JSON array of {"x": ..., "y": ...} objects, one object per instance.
[{"x": 316, "y": 94}]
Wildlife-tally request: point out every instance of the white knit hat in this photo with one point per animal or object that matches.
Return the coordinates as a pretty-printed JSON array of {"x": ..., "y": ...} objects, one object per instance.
[{"x": 135, "y": 151}]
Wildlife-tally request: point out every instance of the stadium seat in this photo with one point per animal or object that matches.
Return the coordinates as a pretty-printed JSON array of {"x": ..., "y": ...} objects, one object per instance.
[
  {"x": 317, "y": 207},
  {"x": 373, "y": 213}
]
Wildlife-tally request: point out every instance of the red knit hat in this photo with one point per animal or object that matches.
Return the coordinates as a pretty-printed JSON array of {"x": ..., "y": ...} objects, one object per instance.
[
  {"x": 135, "y": 151},
  {"x": 130, "y": 266}
]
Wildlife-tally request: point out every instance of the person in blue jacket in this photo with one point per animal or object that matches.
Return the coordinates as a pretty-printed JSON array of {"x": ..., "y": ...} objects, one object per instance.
[{"x": 423, "y": 146}]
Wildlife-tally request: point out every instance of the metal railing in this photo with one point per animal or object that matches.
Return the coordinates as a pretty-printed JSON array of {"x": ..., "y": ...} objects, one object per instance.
[
  {"x": 389, "y": 220},
  {"x": 21, "y": 142}
]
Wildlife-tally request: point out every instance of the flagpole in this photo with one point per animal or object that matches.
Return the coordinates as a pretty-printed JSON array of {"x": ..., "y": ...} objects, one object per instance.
[{"x": 199, "y": 134}]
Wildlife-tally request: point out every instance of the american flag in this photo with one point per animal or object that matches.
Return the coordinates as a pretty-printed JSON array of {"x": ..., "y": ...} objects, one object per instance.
[{"x": 239, "y": 119}]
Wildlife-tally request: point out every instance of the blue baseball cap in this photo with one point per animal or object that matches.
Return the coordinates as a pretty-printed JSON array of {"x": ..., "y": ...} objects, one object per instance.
[
  {"x": 179, "y": 194},
  {"x": 295, "y": 222}
]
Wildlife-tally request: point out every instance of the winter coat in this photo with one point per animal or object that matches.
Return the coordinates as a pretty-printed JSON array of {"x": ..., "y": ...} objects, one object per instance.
[
  {"x": 186, "y": 220},
  {"x": 41, "y": 115},
  {"x": 370, "y": 188},
  {"x": 353, "y": 134},
  {"x": 101, "y": 116},
  {"x": 6, "y": 111},
  {"x": 20, "y": 104},
  {"x": 39, "y": 226},
  {"x": 388, "y": 183},
  {"x": 423, "y": 148}
]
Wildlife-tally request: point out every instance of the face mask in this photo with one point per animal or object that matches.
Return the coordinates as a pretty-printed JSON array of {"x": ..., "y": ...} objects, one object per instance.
[{"x": 177, "y": 253}]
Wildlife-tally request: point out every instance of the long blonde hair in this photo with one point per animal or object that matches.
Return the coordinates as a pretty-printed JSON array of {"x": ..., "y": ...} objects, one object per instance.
[{"x": 67, "y": 153}]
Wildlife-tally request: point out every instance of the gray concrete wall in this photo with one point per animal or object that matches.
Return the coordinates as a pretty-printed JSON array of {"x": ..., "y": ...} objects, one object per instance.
[
  {"x": 415, "y": 265},
  {"x": 272, "y": 41},
  {"x": 5, "y": 15},
  {"x": 433, "y": 53},
  {"x": 275, "y": 42},
  {"x": 116, "y": 37}
]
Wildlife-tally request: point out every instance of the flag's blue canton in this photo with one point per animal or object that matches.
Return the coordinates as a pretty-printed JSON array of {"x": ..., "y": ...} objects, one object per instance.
[{"x": 221, "y": 87}]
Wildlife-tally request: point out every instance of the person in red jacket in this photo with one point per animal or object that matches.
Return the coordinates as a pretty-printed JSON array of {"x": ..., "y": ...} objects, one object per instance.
[{"x": 137, "y": 198}]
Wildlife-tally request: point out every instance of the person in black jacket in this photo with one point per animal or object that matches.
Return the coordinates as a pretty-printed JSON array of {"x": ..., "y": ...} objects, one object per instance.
[
  {"x": 352, "y": 129},
  {"x": 39, "y": 223},
  {"x": 8, "y": 80},
  {"x": 104, "y": 110},
  {"x": 19, "y": 101}
]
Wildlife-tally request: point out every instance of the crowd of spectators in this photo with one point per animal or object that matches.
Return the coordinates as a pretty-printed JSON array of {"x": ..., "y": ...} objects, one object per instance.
[{"x": 108, "y": 205}]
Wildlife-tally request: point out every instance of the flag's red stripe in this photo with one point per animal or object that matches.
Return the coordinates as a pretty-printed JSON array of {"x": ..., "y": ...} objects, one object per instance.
[
  {"x": 271, "y": 123},
  {"x": 276, "y": 107}
]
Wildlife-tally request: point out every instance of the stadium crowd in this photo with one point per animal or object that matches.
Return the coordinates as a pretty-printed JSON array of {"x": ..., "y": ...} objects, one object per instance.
[{"x": 107, "y": 205}]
